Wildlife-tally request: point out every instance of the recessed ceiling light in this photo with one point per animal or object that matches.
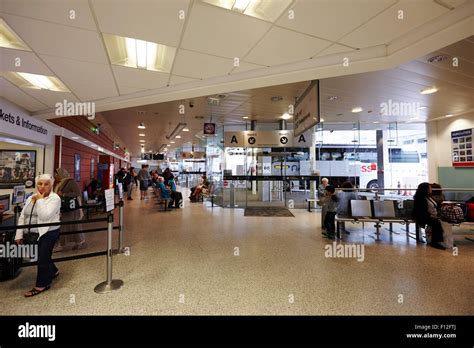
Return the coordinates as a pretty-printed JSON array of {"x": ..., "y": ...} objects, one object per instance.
[
  {"x": 245, "y": 117},
  {"x": 178, "y": 136},
  {"x": 376, "y": 122},
  {"x": 429, "y": 90},
  {"x": 75, "y": 138},
  {"x": 140, "y": 54},
  {"x": 27, "y": 80},
  {"x": 321, "y": 120},
  {"x": 449, "y": 115},
  {"x": 85, "y": 141},
  {"x": 357, "y": 109},
  {"x": 141, "y": 126},
  {"x": 141, "y": 135},
  {"x": 172, "y": 142},
  {"x": 142, "y": 141},
  {"x": 263, "y": 9},
  {"x": 186, "y": 129},
  {"x": 9, "y": 39},
  {"x": 286, "y": 116}
]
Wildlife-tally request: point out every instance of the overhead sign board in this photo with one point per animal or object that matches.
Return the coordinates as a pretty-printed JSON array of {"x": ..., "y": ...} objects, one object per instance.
[
  {"x": 307, "y": 110},
  {"x": 277, "y": 138},
  {"x": 16, "y": 122}
]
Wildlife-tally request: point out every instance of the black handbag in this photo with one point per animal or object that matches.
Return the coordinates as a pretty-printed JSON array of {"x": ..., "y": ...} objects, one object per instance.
[{"x": 31, "y": 237}]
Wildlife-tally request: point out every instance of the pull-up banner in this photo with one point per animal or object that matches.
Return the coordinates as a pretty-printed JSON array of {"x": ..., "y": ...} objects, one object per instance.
[{"x": 278, "y": 138}]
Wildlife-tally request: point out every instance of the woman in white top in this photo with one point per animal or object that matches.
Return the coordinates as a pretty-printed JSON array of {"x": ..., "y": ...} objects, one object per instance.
[{"x": 42, "y": 207}]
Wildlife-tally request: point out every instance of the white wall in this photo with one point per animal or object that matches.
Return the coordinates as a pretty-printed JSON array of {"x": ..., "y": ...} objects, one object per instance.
[{"x": 439, "y": 141}]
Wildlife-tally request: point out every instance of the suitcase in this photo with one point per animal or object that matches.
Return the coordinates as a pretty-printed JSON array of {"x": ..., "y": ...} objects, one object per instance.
[
  {"x": 178, "y": 199},
  {"x": 10, "y": 267},
  {"x": 470, "y": 212}
]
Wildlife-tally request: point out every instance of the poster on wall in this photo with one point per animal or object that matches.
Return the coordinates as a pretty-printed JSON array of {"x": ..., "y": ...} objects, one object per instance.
[
  {"x": 77, "y": 167},
  {"x": 461, "y": 147},
  {"x": 18, "y": 194},
  {"x": 17, "y": 167}
]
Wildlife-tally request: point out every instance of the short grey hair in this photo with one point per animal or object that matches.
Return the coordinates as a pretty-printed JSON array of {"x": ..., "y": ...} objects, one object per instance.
[
  {"x": 44, "y": 177},
  {"x": 325, "y": 179}
]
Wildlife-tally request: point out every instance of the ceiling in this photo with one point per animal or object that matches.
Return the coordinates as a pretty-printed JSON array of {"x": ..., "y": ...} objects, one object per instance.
[
  {"x": 368, "y": 90},
  {"x": 309, "y": 44}
]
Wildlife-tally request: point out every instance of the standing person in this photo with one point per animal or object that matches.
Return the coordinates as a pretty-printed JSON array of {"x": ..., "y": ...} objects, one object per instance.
[
  {"x": 329, "y": 201},
  {"x": 425, "y": 213},
  {"x": 322, "y": 193},
  {"x": 131, "y": 182},
  {"x": 144, "y": 178},
  {"x": 67, "y": 189},
  {"x": 343, "y": 207},
  {"x": 42, "y": 207}
]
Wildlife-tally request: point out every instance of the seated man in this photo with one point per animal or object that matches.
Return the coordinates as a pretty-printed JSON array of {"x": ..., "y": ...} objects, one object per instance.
[{"x": 198, "y": 189}]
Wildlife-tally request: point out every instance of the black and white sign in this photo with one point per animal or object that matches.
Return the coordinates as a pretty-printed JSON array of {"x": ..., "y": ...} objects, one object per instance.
[
  {"x": 109, "y": 200},
  {"x": 277, "y": 138},
  {"x": 307, "y": 110}
]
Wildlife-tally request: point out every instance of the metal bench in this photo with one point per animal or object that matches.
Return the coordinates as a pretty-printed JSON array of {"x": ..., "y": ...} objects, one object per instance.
[{"x": 311, "y": 200}]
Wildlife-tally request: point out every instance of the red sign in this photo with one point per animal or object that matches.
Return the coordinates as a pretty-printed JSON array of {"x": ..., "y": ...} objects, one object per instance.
[{"x": 368, "y": 168}]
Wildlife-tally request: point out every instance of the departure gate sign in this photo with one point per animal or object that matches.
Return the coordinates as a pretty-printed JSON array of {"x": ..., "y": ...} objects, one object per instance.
[
  {"x": 278, "y": 138},
  {"x": 461, "y": 147}
]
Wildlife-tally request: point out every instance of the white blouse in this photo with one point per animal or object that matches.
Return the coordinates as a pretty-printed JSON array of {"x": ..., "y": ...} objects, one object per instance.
[{"x": 48, "y": 211}]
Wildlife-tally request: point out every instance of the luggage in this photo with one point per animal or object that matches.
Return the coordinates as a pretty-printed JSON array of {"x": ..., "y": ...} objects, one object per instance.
[
  {"x": 470, "y": 212},
  {"x": 177, "y": 199},
  {"x": 10, "y": 267},
  {"x": 452, "y": 213}
]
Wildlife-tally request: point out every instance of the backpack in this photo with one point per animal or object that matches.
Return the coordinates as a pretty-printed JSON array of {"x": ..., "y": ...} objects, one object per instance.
[{"x": 452, "y": 213}]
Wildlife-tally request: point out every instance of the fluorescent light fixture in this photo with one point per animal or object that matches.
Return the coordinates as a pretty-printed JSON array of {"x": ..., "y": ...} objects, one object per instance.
[
  {"x": 263, "y": 9},
  {"x": 139, "y": 54},
  {"x": 172, "y": 142},
  {"x": 141, "y": 135},
  {"x": 75, "y": 138},
  {"x": 449, "y": 115},
  {"x": 429, "y": 90},
  {"x": 142, "y": 150},
  {"x": 94, "y": 145},
  {"x": 321, "y": 120},
  {"x": 245, "y": 117},
  {"x": 286, "y": 116},
  {"x": 141, "y": 126},
  {"x": 357, "y": 109},
  {"x": 9, "y": 39},
  {"x": 85, "y": 141},
  {"x": 421, "y": 107},
  {"x": 27, "y": 80},
  {"x": 376, "y": 122},
  {"x": 176, "y": 131},
  {"x": 142, "y": 141},
  {"x": 185, "y": 129},
  {"x": 178, "y": 137}
]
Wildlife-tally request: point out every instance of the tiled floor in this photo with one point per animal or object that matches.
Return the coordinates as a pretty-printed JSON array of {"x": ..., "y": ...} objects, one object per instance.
[{"x": 185, "y": 262}]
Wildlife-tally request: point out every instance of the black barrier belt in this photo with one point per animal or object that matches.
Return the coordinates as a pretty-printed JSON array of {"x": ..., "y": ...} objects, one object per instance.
[
  {"x": 270, "y": 177},
  {"x": 14, "y": 227},
  {"x": 88, "y": 231},
  {"x": 68, "y": 258}
]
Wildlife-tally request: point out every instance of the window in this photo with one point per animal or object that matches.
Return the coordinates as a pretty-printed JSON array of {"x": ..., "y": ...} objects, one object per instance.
[{"x": 397, "y": 155}]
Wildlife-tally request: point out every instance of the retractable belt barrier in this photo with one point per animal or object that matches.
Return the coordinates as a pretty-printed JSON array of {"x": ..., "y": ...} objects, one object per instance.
[{"x": 109, "y": 284}]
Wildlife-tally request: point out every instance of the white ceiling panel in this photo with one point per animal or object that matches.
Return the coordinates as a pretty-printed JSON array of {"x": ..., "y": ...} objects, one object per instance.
[
  {"x": 387, "y": 26},
  {"x": 244, "y": 66},
  {"x": 334, "y": 49},
  {"x": 176, "y": 80},
  {"x": 151, "y": 20},
  {"x": 89, "y": 81},
  {"x": 222, "y": 32},
  {"x": 316, "y": 17},
  {"x": 75, "y": 13},
  {"x": 282, "y": 46},
  {"x": 128, "y": 90},
  {"x": 139, "y": 78},
  {"x": 28, "y": 62},
  {"x": 200, "y": 66},
  {"x": 50, "y": 98},
  {"x": 20, "y": 98},
  {"x": 59, "y": 40}
]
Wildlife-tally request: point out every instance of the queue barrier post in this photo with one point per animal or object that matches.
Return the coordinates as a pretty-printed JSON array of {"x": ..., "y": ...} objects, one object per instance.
[
  {"x": 110, "y": 284},
  {"x": 121, "y": 248}
]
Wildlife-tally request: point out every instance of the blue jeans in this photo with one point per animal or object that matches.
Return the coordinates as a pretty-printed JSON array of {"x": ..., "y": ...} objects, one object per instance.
[{"x": 46, "y": 267}]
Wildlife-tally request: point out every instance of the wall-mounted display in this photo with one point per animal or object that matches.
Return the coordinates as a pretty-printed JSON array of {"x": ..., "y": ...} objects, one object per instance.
[
  {"x": 461, "y": 141},
  {"x": 17, "y": 167},
  {"x": 77, "y": 167}
]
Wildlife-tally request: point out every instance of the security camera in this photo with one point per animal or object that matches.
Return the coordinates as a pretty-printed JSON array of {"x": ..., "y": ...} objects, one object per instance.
[{"x": 191, "y": 104}]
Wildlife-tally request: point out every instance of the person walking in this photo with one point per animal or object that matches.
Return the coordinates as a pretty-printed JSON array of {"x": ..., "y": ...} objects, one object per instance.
[{"x": 144, "y": 178}]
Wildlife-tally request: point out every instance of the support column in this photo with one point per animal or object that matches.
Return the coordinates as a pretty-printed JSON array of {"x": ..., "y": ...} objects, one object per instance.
[{"x": 380, "y": 159}]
